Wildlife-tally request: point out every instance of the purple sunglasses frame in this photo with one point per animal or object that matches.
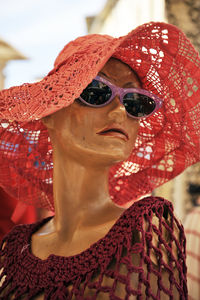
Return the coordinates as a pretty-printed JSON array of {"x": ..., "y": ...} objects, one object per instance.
[{"x": 121, "y": 92}]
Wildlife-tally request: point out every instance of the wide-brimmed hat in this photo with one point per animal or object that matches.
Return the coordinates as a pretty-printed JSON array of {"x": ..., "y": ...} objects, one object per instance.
[{"x": 167, "y": 143}]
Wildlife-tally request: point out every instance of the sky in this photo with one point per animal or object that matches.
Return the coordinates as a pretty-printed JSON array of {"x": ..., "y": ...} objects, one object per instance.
[{"x": 39, "y": 29}]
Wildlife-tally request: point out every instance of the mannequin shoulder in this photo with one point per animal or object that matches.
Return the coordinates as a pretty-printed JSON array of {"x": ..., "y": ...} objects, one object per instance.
[{"x": 157, "y": 226}]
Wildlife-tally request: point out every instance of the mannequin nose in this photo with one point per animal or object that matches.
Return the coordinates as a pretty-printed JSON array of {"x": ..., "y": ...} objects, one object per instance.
[{"x": 117, "y": 110}]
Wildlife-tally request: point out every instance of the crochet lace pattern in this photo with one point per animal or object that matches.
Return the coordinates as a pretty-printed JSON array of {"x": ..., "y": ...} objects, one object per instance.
[
  {"x": 141, "y": 257},
  {"x": 167, "y": 143}
]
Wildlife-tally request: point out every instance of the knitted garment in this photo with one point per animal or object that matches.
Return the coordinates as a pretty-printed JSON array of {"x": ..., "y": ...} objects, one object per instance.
[{"x": 141, "y": 257}]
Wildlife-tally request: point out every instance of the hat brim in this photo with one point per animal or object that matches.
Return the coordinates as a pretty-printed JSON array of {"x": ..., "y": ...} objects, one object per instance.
[{"x": 167, "y": 143}]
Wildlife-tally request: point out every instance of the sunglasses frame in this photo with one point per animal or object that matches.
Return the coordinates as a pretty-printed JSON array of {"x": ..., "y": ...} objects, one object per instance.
[{"x": 121, "y": 92}]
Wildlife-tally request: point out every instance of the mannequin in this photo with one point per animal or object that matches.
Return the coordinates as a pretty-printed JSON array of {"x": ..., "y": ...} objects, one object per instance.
[
  {"x": 105, "y": 127},
  {"x": 82, "y": 158}
]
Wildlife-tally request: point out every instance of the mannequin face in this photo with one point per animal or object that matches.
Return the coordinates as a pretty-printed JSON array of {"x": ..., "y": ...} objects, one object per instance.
[{"x": 75, "y": 130}]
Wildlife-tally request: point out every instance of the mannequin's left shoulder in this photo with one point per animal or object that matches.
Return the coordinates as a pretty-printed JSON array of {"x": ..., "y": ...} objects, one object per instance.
[{"x": 153, "y": 219}]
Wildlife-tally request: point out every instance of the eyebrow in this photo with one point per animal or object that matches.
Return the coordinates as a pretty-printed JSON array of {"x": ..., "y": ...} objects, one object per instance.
[
  {"x": 126, "y": 85},
  {"x": 102, "y": 73},
  {"x": 131, "y": 84}
]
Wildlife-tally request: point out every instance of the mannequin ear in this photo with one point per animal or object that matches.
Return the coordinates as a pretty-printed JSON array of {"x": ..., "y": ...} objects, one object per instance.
[{"x": 48, "y": 122}]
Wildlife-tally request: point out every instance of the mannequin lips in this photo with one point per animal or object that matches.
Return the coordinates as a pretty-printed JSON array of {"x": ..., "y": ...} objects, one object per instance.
[{"x": 114, "y": 132}]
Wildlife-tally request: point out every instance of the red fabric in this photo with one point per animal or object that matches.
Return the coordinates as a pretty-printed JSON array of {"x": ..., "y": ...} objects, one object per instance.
[
  {"x": 118, "y": 266},
  {"x": 167, "y": 143},
  {"x": 7, "y": 207}
]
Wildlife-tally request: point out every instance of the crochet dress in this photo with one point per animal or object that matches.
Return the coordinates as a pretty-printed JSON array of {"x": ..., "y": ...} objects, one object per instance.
[{"x": 141, "y": 257}]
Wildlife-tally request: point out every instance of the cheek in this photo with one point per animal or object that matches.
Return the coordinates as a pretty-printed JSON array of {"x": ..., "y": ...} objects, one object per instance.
[
  {"x": 75, "y": 129},
  {"x": 86, "y": 132},
  {"x": 134, "y": 129},
  {"x": 80, "y": 127}
]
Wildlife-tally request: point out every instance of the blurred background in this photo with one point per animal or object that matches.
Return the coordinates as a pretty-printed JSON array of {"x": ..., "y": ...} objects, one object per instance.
[{"x": 32, "y": 32}]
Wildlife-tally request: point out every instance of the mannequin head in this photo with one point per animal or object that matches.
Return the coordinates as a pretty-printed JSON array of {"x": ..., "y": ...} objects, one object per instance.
[{"x": 74, "y": 130}]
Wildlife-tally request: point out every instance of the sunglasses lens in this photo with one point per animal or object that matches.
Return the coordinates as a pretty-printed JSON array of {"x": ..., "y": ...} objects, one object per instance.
[
  {"x": 138, "y": 105},
  {"x": 96, "y": 93}
]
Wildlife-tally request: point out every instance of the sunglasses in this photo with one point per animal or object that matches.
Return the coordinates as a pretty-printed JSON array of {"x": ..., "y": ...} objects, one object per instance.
[{"x": 139, "y": 103}]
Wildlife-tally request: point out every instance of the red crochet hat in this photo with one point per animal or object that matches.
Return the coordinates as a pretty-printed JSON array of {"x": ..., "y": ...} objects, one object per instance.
[{"x": 167, "y": 143}]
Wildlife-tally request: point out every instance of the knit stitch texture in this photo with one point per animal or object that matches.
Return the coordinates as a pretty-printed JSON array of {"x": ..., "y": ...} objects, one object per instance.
[{"x": 141, "y": 257}]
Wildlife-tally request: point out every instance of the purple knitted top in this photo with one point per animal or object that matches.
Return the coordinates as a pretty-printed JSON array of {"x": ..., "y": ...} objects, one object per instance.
[{"x": 141, "y": 257}]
